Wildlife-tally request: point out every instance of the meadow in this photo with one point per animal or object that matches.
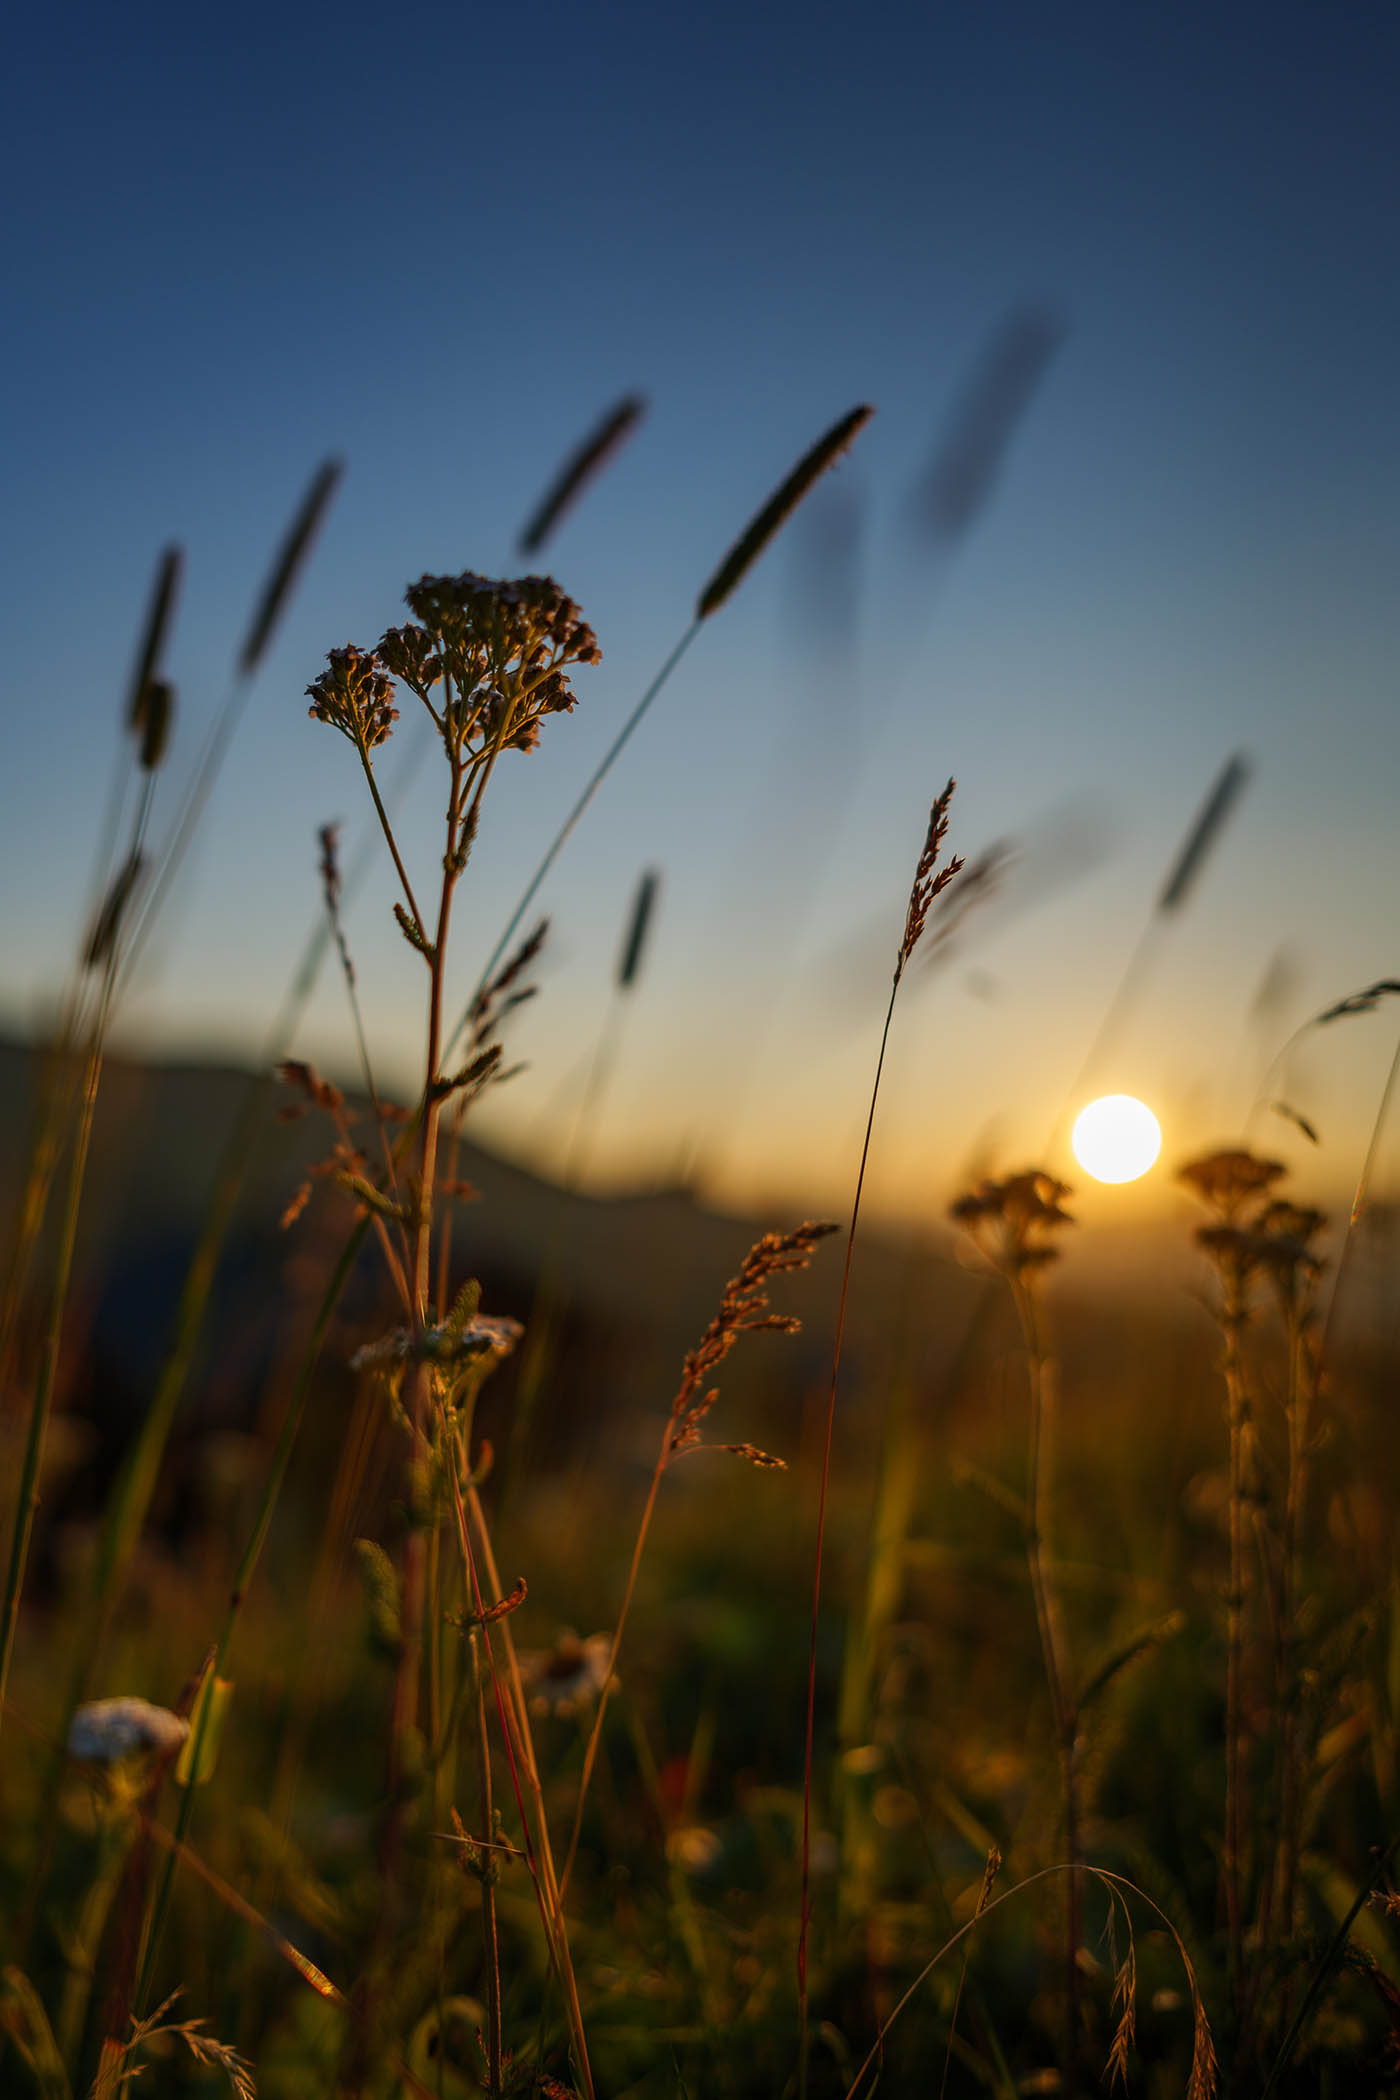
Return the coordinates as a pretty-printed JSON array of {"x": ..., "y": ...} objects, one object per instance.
[{"x": 463, "y": 1635}]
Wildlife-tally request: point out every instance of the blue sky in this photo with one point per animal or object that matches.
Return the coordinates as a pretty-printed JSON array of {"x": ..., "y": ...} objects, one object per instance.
[{"x": 441, "y": 243}]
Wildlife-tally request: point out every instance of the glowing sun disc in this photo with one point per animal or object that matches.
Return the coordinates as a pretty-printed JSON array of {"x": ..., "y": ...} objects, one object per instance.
[{"x": 1116, "y": 1138}]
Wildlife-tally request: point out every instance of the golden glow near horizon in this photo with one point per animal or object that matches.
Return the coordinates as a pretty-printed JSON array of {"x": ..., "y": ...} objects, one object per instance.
[{"x": 1116, "y": 1138}]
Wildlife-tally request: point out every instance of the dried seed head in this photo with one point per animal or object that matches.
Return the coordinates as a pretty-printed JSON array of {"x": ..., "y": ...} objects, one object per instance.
[
  {"x": 927, "y": 884},
  {"x": 293, "y": 1071},
  {"x": 743, "y": 1309},
  {"x": 354, "y": 694}
]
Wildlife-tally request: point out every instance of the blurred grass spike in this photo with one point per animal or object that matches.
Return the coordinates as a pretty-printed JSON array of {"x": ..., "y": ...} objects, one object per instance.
[
  {"x": 634, "y": 947},
  {"x": 152, "y": 720},
  {"x": 776, "y": 511},
  {"x": 102, "y": 940},
  {"x": 154, "y": 634},
  {"x": 290, "y": 559},
  {"x": 579, "y": 469},
  {"x": 965, "y": 465},
  {"x": 1215, "y": 813}
]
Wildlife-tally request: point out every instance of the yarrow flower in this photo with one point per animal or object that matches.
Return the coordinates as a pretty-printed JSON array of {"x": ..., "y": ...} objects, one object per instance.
[
  {"x": 355, "y": 695},
  {"x": 504, "y": 645},
  {"x": 1228, "y": 1180},
  {"x": 109, "y": 1731},
  {"x": 485, "y": 1335},
  {"x": 1008, "y": 1218}
]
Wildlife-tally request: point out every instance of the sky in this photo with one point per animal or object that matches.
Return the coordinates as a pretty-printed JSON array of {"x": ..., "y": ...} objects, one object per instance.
[{"x": 439, "y": 244}]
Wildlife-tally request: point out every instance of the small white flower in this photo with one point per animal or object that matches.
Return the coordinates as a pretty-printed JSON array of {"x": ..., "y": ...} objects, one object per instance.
[
  {"x": 570, "y": 1676},
  {"x": 108, "y": 1731}
]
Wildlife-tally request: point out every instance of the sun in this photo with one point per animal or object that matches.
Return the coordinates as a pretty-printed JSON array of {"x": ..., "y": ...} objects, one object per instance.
[{"x": 1116, "y": 1138}]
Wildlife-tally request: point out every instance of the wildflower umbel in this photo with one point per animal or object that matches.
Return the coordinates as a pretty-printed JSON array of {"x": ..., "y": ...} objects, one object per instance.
[
  {"x": 109, "y": 1731},
  {"x": 1230, "y": 1179},
  {"x": 1009, "y": 1219},
  {"x": 503, "y": 646},
  {"x": 927, "y": 884},
  {"x": 499, "y": 650},
  {"x": 354, "y": 694}
]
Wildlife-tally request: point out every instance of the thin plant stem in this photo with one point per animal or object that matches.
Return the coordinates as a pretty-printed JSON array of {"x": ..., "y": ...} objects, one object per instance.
[
  {"x": 1040, "y": 1370},
  {"x": 1360, "y": 1199},
  {"x": 1232, "y": 1320},
  {"x": 520, "y": 1757},
  {"x": 41, "y": 1407},
  {"x": 590, "y": 1755},
  {"x": 247, "y": 1567},
  {"x": 488, "y": 1889},
  {"x": 803, "y": 2040}
]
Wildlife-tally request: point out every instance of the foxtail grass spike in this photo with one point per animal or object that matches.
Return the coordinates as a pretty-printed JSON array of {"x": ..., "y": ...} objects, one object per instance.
[
  {"x": 1204, "y": 832},
  {"x": 290, "y": 558},
  {"x": 153, "y": 638},
  {"x": 638, "y": 927},
  {"x": 155, "y": 715},
  {"x": 964, "y": 469},
  {"x": 776, "y": 511},
  {"x": 580, "y": 467},
  {"x": 103, "y": 937}
]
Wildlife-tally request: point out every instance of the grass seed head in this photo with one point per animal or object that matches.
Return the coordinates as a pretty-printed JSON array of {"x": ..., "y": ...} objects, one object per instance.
[
  {"x": 928, "y": 885},
  {"x": 776, "y": 511},
  {"x": 154, "y": 634},
  {"x": 291, "y": 557},
  {"x": 152, "y": 717},
  {"x": 579, "y": 469}
]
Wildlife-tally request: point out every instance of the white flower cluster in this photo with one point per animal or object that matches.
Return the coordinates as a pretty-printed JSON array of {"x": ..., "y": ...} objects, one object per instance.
[{"x": 108, "y": 1731}]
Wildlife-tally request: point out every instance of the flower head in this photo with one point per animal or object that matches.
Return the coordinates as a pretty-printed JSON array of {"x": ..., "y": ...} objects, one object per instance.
[
  {"x": 505, "y": 647},
  {"x": 570, "y": 1675},
  {"x": 355, "y": 695},
  {"x": 1009, "y": 1219},
  {"x": 111, "y": 1731},
  {"x": 1228, "y": 1180}
]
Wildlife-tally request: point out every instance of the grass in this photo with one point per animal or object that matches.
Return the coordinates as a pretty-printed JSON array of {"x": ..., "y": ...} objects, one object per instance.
[{"x": 1099, "y": 1772}]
